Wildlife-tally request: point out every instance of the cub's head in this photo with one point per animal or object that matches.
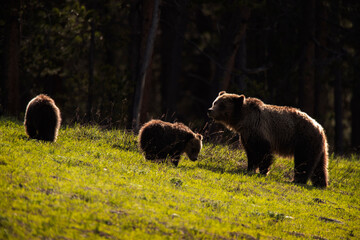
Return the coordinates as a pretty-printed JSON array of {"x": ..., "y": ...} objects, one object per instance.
[
  {"x": 226, "y": 107},
  {"x": 194, "y": 146}
]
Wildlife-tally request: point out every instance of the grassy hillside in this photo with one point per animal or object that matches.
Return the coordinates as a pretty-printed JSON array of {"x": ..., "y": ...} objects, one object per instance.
[{"x": 95, "y": 184}]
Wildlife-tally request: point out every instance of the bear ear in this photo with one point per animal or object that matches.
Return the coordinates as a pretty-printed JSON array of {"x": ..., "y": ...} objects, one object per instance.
[
  {"x": 199, "y": 136},
  {"x": 222, "y": 93},
  {"x": 239, "y": 101}
]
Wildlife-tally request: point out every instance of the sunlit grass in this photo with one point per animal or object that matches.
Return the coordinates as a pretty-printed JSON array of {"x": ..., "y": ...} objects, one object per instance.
[{"x": 93, "y": 183}]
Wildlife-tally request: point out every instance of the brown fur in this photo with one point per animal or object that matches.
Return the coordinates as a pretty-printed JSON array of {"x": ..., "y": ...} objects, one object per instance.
[
  {"x": 42, "y": 118},
  {"x": 268, "y": 129},
  {"x": 160, "y": 140}
]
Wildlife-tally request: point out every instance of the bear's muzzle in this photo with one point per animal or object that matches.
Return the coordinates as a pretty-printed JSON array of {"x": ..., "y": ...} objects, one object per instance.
[{"x": 209, "y": 112}]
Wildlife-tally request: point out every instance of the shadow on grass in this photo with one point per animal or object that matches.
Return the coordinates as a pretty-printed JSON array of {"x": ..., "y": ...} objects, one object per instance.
[
  {"x": 126, "y": 147},
  {"x": 241, "y": 169},
  {"x": 216, "y": 168},
  {"x": 223, "y": 169},
  {"x": 307, "y": 186}
]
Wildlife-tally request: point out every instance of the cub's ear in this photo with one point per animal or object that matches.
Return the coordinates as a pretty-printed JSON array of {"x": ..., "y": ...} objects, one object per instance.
[
  {"x": 199, "y": 136},
  {"x": 222, "y": 93}
]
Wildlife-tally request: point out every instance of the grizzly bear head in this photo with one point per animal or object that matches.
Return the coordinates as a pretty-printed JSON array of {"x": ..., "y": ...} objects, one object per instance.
[
  {"x": 226, "y": 107},
  {"x": 194, "y": 146}
]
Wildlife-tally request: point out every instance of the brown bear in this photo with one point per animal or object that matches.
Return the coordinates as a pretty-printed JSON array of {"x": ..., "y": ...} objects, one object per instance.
[
  {"x": 159, "y": 140},
  {"x": 267, "y": 129},
  {"x": 42, "y": 118}
]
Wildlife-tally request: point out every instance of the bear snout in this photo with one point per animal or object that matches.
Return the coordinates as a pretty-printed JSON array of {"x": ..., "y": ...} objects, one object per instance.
[{"x": 209, "y": 111}]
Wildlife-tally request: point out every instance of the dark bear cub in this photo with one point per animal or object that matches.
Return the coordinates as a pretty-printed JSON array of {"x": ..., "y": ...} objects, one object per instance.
[
  {"x": 160, "y": 140},
  {"x": 42, "y": 119},
  {"x": 267, "y": 129}
]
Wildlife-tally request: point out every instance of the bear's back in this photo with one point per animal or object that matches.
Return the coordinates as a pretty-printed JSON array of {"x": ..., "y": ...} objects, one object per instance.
[
  {"x": 151, "y": 134},
  {"x": 42, "y": 112},
  {"x": 286, "y": 127},
  {"x": 161, "y": 137}
]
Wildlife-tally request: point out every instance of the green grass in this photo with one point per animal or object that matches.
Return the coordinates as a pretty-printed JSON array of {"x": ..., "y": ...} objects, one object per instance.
[{"x": 94, "y": 184}]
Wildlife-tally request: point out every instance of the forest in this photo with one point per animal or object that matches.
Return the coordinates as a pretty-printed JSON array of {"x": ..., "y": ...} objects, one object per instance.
[{"x": 119, "y": 63}]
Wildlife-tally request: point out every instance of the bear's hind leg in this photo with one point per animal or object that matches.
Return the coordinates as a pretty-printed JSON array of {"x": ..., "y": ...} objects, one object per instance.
[
  {"x": 304, "y": 166},
  {"x": 49, "y": 129},
  {"x": 319, "y": 178},
  {"x": 31, "y": 131},
  {"x": 48, "y": 135},
  {"x": 300, "y": 169}
]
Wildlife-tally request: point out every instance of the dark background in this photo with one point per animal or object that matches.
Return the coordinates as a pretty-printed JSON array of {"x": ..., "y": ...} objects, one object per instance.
[{"x": 120, "y": 63}]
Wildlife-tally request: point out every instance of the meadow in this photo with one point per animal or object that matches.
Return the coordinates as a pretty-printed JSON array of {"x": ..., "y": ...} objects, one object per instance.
[{"x": 95, "y": 184}]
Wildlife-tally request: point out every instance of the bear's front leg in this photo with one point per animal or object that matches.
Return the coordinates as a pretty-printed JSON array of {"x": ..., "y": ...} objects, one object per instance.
[
  {"x": 252, "y": 160},
  {"x": 259, "y": 160},
  {"x": 258, "y": 154}
]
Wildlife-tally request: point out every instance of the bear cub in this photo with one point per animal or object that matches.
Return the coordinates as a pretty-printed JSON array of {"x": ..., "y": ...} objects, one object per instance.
[
  {"x": 268, "y": 129},
  {"x": 159, "y": 140},
  {"x": 42, "y": 118}
]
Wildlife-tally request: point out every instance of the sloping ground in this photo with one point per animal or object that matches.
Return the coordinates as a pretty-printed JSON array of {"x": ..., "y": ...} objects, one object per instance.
[{"x": 94, "y": 184}]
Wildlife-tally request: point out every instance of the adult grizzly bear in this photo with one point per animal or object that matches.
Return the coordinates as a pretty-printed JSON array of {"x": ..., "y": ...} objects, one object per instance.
[
  {"x": 42, "y": 118},
  {"x": 266, "y": 129},
  {"x": 159, "y": 140}
]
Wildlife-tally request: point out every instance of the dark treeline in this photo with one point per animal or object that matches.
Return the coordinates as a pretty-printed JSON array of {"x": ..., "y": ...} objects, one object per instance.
[{"x": 121, "y": 63}]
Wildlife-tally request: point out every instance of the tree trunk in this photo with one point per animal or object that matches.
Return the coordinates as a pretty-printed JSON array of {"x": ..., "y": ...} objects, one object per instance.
[
  {"x": 174, "y": 20},
  {"x": 240, "y": 63},
  {"x": 355, "y": 100},
  {"x": 234, "y": 22},
  {"x": 91, "y": 71},
  {"x": 11, "y": 88},
  {"x": 150, "y": 25},
  {"x": 134, "y": 57},
  {"x": 321, "y": 97},
  {"x": 306, "y": 83},
  {"x": 355, "y": 111},
  {"x": 338, "y": 91},
  {"x": 339, "y": 138}
]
